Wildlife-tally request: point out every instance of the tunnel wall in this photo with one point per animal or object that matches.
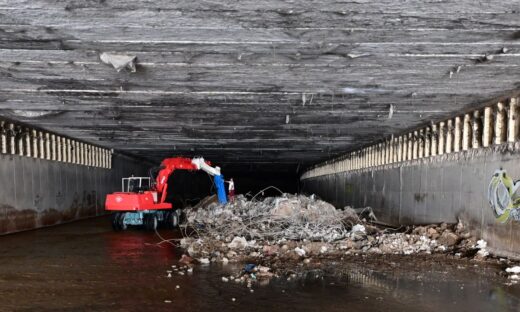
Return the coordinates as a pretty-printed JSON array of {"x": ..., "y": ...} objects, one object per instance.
[
  {"x": 432, "y": 190},
  {"x": 38, "y": 192}
]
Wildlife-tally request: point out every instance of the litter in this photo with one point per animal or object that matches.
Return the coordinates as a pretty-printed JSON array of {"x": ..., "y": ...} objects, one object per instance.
[
  {"x": 514, "y": 270},
  {"x": 249, "y": 268}
]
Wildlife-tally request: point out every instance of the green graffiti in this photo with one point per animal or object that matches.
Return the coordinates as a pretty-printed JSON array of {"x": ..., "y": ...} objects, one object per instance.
[{"x": 503, "y": 197}]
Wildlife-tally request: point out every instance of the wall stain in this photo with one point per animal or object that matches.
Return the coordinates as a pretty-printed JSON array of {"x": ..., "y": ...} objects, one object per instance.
[
  {"x": 14, "y": 220},
  {"x": 419, "y": 197}
]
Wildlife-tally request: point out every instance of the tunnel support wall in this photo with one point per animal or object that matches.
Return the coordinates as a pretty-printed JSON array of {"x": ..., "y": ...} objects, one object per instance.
[
  {"x": 432, "y": 190},
  {"x": 39, "y": 192},
  {"x": 465, "y": 172}
]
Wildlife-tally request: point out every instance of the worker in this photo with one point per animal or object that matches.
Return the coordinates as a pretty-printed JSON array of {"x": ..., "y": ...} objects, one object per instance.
[
  {"x": 131, "y": 184},
  {"x": 231, "y": 190}
]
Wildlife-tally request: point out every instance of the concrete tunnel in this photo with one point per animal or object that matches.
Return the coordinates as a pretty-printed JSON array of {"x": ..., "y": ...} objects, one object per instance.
[{"x": 410, "y": 108}]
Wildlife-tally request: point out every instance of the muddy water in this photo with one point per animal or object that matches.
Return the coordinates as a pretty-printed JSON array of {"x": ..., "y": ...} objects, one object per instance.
[{"x": 85, "y": 266}]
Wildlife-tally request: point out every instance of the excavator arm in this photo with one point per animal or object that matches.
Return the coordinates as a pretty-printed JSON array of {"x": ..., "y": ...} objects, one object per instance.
[
  {"x": 149, "y": 207},
  {"x": 169, "y": 165}
]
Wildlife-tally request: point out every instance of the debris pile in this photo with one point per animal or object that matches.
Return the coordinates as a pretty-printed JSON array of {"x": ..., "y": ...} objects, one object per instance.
[
  {"x": 289, "y": 217},
  {"x": 513, "y": 274},
  {"x": 301, "y": 229}
]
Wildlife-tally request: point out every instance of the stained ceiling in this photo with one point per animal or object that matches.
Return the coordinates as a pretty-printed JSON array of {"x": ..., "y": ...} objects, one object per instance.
[{"x": 264, "y": 84}]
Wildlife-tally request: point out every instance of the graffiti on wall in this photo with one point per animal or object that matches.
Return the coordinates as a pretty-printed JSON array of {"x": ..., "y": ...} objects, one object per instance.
[{"x": 503, "y": 196}]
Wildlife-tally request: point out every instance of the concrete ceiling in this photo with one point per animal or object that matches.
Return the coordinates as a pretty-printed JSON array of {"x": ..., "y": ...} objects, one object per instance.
[{"x": 270, "y": 84}]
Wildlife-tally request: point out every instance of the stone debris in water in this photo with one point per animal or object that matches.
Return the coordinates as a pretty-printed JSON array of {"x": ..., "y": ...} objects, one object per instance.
[
  {"x": 274, "y": 226},
  {"x": 279, "y": 232}
]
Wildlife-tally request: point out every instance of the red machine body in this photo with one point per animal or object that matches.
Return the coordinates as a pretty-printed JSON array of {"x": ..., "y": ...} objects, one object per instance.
[{"x": 153, "y": 199}]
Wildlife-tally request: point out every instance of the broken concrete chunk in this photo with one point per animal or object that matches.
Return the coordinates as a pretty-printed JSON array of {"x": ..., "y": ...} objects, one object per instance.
[
  {"x": 481, "y": 244},
  {"x": 238, "y": 243},
  {"x": 448, "y": 238},
  {"x": 299, "y": 251},
  {"x": 358, "y": 228},
  {"x": 119, "y": 61},
  {"x": 514, "y": 270},
  {"x": 432, "y": 232},
  {"x": 420, "y": 230},
  {"x": 185, "y": 259}
]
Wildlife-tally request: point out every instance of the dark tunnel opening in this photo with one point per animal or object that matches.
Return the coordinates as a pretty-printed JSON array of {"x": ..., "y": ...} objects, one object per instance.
[{"x": 187, "y": 188}]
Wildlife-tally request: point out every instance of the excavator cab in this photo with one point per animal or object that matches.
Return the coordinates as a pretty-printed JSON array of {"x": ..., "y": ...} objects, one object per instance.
[{"x": 136, "y": 184}]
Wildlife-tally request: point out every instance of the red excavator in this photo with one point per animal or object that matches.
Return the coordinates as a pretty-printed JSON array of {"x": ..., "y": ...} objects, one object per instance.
[{"x": 142, "y": 200}]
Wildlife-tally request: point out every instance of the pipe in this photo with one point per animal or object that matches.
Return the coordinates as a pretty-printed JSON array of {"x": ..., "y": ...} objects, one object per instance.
[
  {"x": 477, "y": 130},
  {"x": 449, "y": 136},
  {"x": 410, "y": 146},
  {"x": 3, "y": 137},
  {"x": 514, "y": 121},
  {"x": 77, "y": 147},
  {"x": 73, "y": 151},
  {"x": 48, "y": 155},
  {"x": 500, "y": 124},
  {"x": 442, "y": 134},
  {"x": 20, "y": 139},
  {"x": 457, "y": 137},
  {"x": 35, "y": 146},
  {"x": 59, "y": 156},
  {"x": 28, "y": 142},
  {"x": 434, "y": 141},
  {"x": 12, "y": 139},
  {"x": 415, "y": 146},
  {"x": 466, "y": 132},
  {"x": 82, "y": 152},
  {"x": 41, "y": 144},
  {"x": 53, "y": 147},
  {"x": 420, "y": 149},
  {"x": 427, "y": 142},
  {"x": 487, "y": 127}
]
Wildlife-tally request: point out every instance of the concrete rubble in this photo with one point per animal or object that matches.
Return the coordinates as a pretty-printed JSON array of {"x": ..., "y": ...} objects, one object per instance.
[{"x": 277, "y": 233}]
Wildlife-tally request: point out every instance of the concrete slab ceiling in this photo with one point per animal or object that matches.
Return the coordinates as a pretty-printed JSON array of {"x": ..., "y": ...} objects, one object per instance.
[{"x": 263, "y": 84}]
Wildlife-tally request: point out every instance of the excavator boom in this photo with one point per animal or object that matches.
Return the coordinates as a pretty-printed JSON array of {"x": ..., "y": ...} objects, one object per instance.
[
  {"x": 145, "y": 206},
  {"x": 168, "y": 166}
]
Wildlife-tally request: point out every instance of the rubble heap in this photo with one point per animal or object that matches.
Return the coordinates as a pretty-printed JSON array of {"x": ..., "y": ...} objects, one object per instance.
[
  {"x": 300, "y": 228},
  {"x": 288, "y": 217}
]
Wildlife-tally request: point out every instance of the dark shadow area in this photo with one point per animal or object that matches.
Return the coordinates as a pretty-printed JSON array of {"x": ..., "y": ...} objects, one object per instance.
[
  {"x": 253, "y": 182},
  {"x": 188, "y": 187}
]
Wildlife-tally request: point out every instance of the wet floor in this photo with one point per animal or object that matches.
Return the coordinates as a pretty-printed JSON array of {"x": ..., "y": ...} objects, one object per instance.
[{"x": 85, "y": 266}]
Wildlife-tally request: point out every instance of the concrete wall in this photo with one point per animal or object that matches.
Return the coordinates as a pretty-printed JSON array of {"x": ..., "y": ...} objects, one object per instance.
[
  {"x": 430, "y": 190},
  {"x": 37, "y": 192}
]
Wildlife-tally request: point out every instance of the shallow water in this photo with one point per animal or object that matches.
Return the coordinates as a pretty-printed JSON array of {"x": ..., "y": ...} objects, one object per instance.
[{"x": 85, "y": 266}]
